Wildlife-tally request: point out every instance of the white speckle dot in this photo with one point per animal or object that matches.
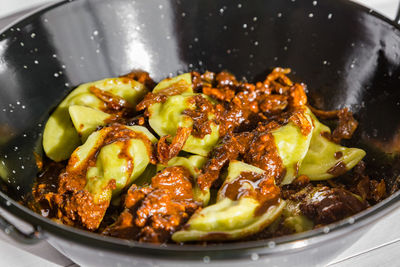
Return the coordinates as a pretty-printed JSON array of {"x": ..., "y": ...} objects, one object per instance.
[
  {"x": 279, "y": 15},
  {"x": 245, "y": 26},
  {"x": 63, "y": 66},
  {"x": 14, "y": 172},
  {"x": 228, "y": 51},
  {"x": 66, "y": 84},
  {"x": 8, "y": 203},
  {"x": 330, "y": 15},
  {"x": 18, "y": 103},
  {"x": 33, "y": 35},
  {"x": 351, "y": 220},
  {"x": 23, "y": 106},
  {"x": 25, "y": 66},
  {"x": 219, "y": 65},
  {"x": 285, "y": 48},
  {"x": 45, "y": 20},
  {"x": 225, "y": 27},
  {"x": 56, "y": 75},
  {"x": 352, "y": 44},
  {"x": 196, "y": 39},
  {"x": 254, "y": 257},
  {"x": 54, "y": 55},
  {"x": 190, "y": 65},
  {"x": 168, "y": 37},
  {"x": 326, "y": 229},
  {"x": 95, "y": 33},
  {"x": 239, "y": 5},
  {"x": 206, "y": 259},
  {"x": 36, "y": 62},
  {"x": 12, "y": 29},
  {"x": 325, "y": 62},
  {"x": 24, "y": 135},
  {"x": 256, "y": 43},
  {"x": 251, "y": 56},
  {"x": 21, "y": 43},
  {"x": 160, "y": 7},
  {"x": 183, "y": 14},
  {"x": 275, "y": 58},
  {"x": 314, "y": 3},
  {"x": 352, "y": 65},
  {"x": 311, "y": 15},
  {"x": 18, "y": 29},
  {"x": 221, "y": 11},
  {"x": 255, "y": 19},
  {"x": 271, "y": 244}
]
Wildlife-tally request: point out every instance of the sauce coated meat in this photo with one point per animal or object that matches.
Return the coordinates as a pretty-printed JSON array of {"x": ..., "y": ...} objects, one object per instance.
[
  {"x": 153, "y": 213},
  {"x": 158, "y": 204}
]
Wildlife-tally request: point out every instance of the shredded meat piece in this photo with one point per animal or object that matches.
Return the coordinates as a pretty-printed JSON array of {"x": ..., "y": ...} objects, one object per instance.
[
  {"x": 230, "y": 148},
  {"x": 273, "y": 103},
  {"x": 223, "y": 94},
  {"x": 114, "y": 104},
  {"x": 161, "y": 96},
  {"x": 201, "y": 123},
  {"x": 325, "y": 205},
  {"x": 323, "y": 114},
  {"x": 166, "y": 151},
  {"x": 263, "y": 153},
  {"x": 153, "y": 214},
  {"x": 297, "y": 96},
  {"x": 142, "y": 77},
  {"x": 347, "y": 126}
]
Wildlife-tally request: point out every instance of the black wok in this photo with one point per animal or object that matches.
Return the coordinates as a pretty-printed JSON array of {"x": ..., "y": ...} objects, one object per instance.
[{"x": 345, "y": 53}]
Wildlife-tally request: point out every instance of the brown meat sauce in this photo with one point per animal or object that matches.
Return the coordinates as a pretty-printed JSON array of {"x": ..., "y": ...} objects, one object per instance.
[
  {"x": 259, "y": 186},
  {"x": 153, "y": 213},
  {"x": 246, "y": 115}
]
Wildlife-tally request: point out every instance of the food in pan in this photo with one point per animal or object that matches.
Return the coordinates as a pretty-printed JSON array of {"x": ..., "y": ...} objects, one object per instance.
[{"x": 199, "y": 157}]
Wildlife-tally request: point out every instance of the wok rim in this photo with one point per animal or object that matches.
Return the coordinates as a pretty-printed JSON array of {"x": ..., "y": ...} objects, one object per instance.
[{"x": 268, "y": 246}]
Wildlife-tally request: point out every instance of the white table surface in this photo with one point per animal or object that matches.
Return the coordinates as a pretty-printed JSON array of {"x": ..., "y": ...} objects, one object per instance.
[{"x": 376, "y": 248}]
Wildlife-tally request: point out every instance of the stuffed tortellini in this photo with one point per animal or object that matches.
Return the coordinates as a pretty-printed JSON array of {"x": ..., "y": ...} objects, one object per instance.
[
  {"x": 165, "y": 119},
  {"x": 60, "y": 137},
  {"x": 292, "y": 145},
  {"x": 110, "y": 160},
  {"x": 326, "y": 159},
  {"x": 247, "y": 202},
  {"x": 181, "y": 108}
]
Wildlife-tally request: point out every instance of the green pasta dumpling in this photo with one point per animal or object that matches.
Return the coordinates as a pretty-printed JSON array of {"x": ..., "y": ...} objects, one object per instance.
[
  {"x": 86, "y": 120},
  {"x": 182, "y": 82},
  {"x": 165, "y": 118},
  {"x": 326, "y": 159},
  {"x": 230, "y": 219},
  {"x": 118, "y": 161},
  {"x": 292, "y": 147},
  {"x": 60, "y": 137}
]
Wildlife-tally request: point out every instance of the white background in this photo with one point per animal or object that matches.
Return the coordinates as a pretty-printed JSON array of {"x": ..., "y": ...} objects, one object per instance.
[{"x": 376, "y": 248}]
